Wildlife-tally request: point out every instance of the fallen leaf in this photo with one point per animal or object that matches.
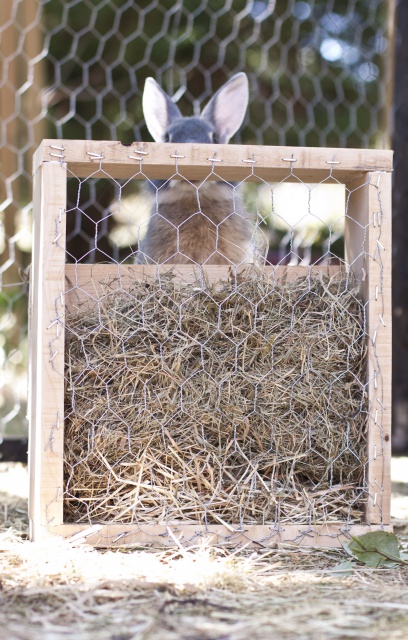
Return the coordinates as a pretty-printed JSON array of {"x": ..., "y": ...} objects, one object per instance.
[{"x": 375, "y": 549}]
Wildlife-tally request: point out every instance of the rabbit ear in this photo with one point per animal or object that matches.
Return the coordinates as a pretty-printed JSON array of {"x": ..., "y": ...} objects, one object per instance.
[
  {"x": 226, "y": 109},
  {"x": 158, "y": 109}
]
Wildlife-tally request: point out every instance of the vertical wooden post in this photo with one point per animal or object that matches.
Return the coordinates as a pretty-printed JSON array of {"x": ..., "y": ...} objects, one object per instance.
[
  {"x": 21, "y": 65},
  {"x": 368, "y": 252},
  {"x": 46, "y": 410}
]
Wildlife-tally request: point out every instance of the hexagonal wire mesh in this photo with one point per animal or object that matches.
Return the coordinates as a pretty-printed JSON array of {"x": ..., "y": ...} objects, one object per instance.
[
  {"x": 213, "y": 393},
  {"x": 75, "y": 69},
  {"x": 216, "y": 388}
]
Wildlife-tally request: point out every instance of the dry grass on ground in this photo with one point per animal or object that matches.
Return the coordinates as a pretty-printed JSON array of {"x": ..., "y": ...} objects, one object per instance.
[{"x": 56, "y": 592}]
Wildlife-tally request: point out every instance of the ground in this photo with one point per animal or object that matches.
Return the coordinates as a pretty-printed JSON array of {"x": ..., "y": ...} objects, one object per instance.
[{"x": 56, "y": 592}]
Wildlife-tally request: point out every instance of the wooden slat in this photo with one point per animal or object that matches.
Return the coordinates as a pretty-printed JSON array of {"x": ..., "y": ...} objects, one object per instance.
[
  {"x": 84, "y": 158},
  {"x": 47, "y": 349},
  {"x": 368, "y": 250},
  {"x": 87, "y": 282},
  {"x": 258, "y": 536}
]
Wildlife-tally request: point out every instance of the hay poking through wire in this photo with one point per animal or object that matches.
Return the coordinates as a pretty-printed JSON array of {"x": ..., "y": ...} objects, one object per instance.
[{"x": 218, "y": 403}]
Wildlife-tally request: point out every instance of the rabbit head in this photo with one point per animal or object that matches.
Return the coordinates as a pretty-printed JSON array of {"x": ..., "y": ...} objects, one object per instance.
[{"x": 220, "y": 119}]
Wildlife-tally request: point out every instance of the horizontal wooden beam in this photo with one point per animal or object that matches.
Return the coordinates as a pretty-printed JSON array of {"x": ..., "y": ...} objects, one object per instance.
[
  {"x": 88, "y": 282},
  {"x": 86, "y": 158},
  {"x": 188, "y": 535}
]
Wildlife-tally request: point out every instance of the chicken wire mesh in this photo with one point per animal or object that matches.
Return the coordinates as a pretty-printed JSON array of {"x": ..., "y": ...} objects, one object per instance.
[
  {"x": 234, "y": 397},
  {"x": 318, "y": 75}
]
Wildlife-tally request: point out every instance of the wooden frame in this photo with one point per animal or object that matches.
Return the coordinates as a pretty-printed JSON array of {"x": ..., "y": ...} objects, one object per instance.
[{"x": 367, "y": 176}]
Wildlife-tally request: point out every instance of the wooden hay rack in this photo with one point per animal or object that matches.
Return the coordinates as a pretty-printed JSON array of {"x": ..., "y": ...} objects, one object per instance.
[{"x": 366, "y": 175}]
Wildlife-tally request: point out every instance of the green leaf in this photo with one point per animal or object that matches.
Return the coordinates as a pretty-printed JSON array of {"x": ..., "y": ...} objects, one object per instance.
[
  {"x": 343, "y": 569},
  {"x": 345, "y": 546},
  {"x": 375, "y": 549}
]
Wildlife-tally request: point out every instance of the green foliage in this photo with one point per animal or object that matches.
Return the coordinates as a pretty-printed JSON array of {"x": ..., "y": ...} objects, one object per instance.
[{"x": 375, "y": 549}]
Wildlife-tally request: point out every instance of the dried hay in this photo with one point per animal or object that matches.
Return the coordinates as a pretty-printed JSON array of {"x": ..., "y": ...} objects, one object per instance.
[
  {"x": 53, "y": 591},
  {"x": 229, "y": 402}
]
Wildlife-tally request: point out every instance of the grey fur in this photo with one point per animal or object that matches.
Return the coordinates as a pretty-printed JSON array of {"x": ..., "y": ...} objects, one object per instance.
[{"x": 189, "y": 222}]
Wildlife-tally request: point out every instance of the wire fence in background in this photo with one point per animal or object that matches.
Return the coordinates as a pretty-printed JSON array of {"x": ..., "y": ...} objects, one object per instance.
[{"x": 319, "y": 74}]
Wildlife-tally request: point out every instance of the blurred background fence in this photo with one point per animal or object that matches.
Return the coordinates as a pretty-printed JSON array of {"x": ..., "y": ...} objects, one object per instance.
[{"x": 320, "y": 72}]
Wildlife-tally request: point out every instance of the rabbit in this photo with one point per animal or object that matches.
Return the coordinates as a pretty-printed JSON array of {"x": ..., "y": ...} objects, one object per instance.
[{"x": 191, "y": 222}]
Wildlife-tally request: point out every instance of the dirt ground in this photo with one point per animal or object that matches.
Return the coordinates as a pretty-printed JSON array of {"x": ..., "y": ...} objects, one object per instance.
[{"x": 55, "y": 591}]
